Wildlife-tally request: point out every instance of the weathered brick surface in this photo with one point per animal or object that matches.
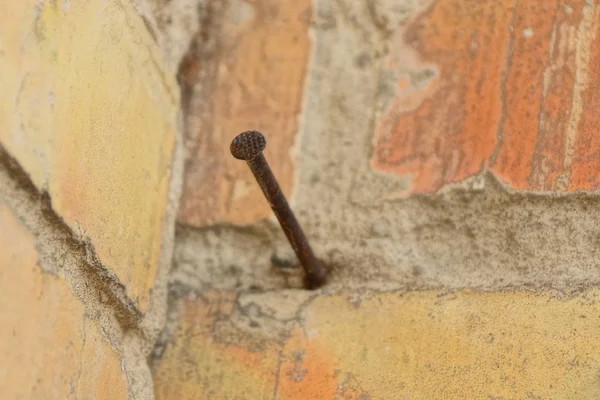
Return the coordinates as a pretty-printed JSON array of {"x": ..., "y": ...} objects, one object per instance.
[
  {"x": 404, "y": 98},
  {"x": 505, "y": 86},
  {"x": 87, "y": 111},
  {"x": 499, "y": 86},
  {"x": 245, "y": 71},
  {"x": 48, "y": 348},
  {"x": 421, "y": 345},
  {"x": 198, "y": 367}
]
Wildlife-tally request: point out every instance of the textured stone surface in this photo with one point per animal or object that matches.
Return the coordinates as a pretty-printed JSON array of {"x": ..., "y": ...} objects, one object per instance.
[
  {"x": 420, "y": 345},
  {"x": 245, "y": 70},
  {"x": 49, "y": 349},
  {"x": 89, "y": 113}
]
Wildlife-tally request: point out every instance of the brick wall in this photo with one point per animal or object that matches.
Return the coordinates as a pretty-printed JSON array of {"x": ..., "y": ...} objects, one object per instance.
[{"x": 441, "y": 156}]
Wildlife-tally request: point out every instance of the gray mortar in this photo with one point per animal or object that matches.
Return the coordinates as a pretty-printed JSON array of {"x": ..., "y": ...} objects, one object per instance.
[
  {"x": 153, "y": 321},
  {"x": 488, "y": 238},
  {"x": 172, "y": 23}
]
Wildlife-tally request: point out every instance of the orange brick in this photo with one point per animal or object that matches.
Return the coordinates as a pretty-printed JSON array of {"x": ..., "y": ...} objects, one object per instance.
[
  {"x": 511, "y": 94},
  {"x": 49, "y": 350},
  {"x": 252, "y": 78}
]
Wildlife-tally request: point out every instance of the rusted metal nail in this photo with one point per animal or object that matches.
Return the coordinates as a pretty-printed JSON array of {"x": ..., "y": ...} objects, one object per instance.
[{"x": 249, "y": 146}]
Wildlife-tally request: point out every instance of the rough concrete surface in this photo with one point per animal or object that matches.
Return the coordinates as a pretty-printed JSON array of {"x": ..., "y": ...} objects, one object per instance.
[{"x": 489, "y": 238}]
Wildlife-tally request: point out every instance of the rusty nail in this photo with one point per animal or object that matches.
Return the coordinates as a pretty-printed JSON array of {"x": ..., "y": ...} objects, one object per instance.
[{"x": 249, "y": 146}]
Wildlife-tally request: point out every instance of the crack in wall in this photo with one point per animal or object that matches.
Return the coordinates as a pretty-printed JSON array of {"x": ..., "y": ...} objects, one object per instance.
[
  {"x": 34, "y": 209},
  {"x": 64, "y": 254}
]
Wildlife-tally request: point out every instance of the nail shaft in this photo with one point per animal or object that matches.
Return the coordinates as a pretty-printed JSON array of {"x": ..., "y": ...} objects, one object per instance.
[{"x": 248, "y": 146}]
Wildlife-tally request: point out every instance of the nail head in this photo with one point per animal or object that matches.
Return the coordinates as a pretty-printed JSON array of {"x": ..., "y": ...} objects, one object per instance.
[{"x": 248, "y": 145}]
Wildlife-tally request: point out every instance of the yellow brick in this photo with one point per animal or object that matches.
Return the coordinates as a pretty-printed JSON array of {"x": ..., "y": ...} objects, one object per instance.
[
  {"x": 197, "y": 367},
  {"x": 86, "y": 110},
  {"x": 422, "y": 345},
  {"x": 48, "y": 349}
]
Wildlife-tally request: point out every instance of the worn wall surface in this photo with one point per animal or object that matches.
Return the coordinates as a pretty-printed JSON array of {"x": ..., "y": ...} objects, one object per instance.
[
  {"x": 88, "y": 192},
  {"x": 440, "y": 154},
  {"x": 444, "y": 167}
]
